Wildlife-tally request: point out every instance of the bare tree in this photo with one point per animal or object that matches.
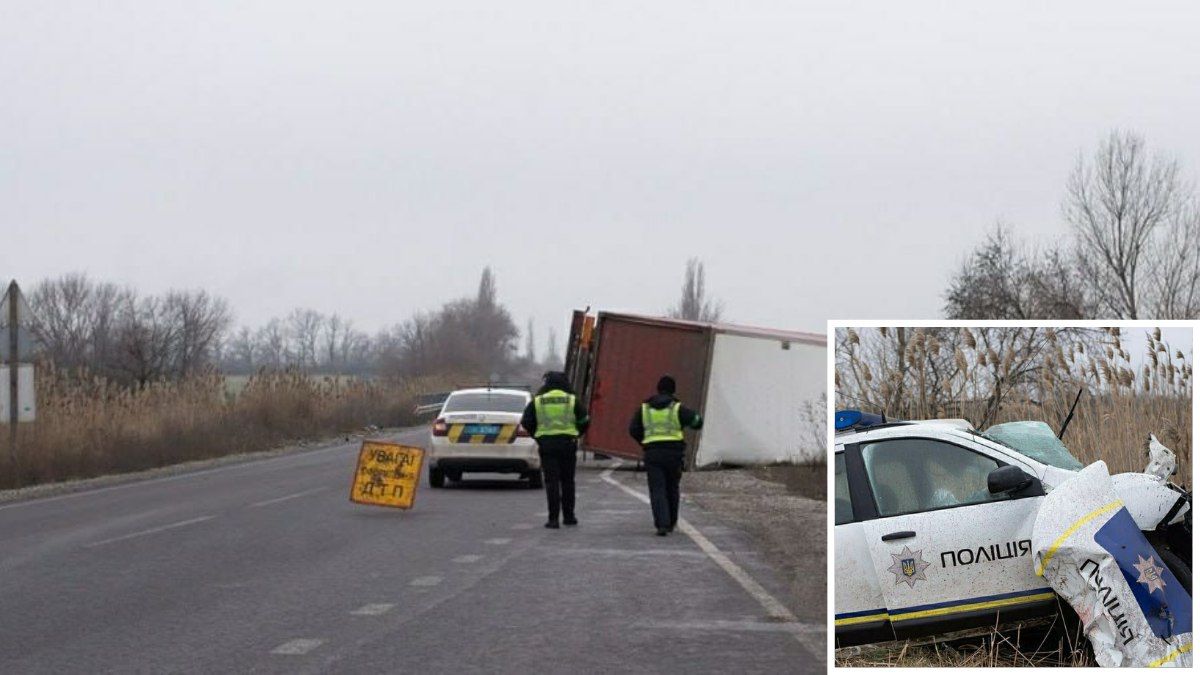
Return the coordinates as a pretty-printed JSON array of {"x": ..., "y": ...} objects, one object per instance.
[
  {"x": 304, "y": 329},
  {"x": 1116, "y": 205},
  {"x": 146, "y": 340},
  {"x": 198, "y": 320},
  {"x": 1001, "y": 279},
  {"x": 1175, "y": 279},
  {"x": 333, "y": 336},
  {"x": 530, "y": 351},
  {"x": 76, "y": 320},
  {"x": 694, "y": 303},
  {"x": 271, "y": 344},
  {"x": 240, "y": 351},
  {"x": 1133, "y": 249},
  {"x": 554, "y": 360}
]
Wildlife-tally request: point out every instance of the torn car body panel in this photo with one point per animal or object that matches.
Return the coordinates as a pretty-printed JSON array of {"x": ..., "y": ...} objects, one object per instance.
[
  {"x": 1148, "y": 500},
  {"x": 1090, "y": 549}
]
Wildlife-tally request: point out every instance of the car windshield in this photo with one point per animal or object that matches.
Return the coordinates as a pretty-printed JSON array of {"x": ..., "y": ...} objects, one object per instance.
[
  {"x": 492, "y": 401},
  {"x": 1035, "y": 440}
]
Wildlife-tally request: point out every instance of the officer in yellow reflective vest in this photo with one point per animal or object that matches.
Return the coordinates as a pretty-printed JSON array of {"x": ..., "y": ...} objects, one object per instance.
[
  {"x": 658, "y": 426},
  {"x": 555, "y": 418}
]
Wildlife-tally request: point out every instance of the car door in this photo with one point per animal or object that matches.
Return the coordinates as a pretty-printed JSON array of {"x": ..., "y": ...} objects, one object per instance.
[{"x": 949, "y": 555}]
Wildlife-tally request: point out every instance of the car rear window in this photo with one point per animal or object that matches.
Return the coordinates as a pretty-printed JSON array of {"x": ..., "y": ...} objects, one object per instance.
[{"x": 485, "y": 402}]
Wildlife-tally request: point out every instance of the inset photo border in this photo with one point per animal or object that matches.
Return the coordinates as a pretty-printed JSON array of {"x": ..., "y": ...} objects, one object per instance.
[{"x": 967, "y": 497}]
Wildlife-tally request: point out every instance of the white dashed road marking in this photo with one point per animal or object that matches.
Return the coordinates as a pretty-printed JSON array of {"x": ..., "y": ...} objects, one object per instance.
[
  {"x": 153, "y": 530},
  {"x": 297, "y": 647},
  {"x": 499, "y": 541},
  {"x": 469, "y": 558},
  {"x": 425, "y": 581},
  {"x": 374, "y": 610},
  {"x": 524, "y": 526},
  {"x": 286, "y": 497}
]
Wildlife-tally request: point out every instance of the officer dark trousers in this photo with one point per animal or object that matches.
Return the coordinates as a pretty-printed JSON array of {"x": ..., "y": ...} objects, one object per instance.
[
  {"x": 558, "y": 471},
  {"x": 664, "y": 468}
]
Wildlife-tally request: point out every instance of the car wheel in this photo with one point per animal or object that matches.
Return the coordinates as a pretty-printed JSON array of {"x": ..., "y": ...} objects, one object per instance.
[
  {"x": 437, "y": 477},
  {"x": 1181, "y": 570},
  {"x": 535, "y": 479}
]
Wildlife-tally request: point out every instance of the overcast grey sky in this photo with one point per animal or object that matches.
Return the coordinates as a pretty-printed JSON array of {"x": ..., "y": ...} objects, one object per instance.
[{"x": 824, "y": 159}]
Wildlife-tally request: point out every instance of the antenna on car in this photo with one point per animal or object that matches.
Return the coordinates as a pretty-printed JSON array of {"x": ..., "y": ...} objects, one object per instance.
[{"x": 1070, "y": 414}]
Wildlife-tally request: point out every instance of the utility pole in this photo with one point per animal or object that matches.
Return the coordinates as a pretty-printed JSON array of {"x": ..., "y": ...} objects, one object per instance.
[
  {"x": 14, "y": 346},
  {"x": 14, "y": 315}
]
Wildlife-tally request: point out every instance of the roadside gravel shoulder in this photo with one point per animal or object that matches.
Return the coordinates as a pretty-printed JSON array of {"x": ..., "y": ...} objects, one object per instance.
[{"x": 783, "y": 509}]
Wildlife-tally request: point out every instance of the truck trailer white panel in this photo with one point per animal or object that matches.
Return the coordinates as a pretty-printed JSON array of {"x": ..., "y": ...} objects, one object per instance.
[{"x": 765, "y": 401}]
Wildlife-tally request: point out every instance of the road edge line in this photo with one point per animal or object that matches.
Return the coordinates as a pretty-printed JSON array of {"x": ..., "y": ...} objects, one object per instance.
[{"x": 774, "y": 608}]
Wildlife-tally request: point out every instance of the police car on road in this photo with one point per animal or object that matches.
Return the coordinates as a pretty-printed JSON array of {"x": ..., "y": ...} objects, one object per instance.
[
  {"x": 479, "y": 430},
  {"x": 933, "y": 523}
]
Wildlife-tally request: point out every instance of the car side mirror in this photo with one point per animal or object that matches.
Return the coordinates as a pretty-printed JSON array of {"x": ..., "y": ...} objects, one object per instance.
[{"x": 1008, "y": 479}]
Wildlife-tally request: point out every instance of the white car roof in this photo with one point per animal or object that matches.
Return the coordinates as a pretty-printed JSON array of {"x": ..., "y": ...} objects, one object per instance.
[
  {"x": 938, "y": 429},
  {"x": 485, "y": 390},
  {"x": 930, "y": 428}
]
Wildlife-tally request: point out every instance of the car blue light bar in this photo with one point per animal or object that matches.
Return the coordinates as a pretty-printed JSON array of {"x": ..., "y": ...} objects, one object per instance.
[{"x": 855, "y": 419}]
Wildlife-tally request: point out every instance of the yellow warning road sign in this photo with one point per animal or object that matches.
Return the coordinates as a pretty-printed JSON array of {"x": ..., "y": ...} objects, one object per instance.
[{"x": 387, "y": 474}]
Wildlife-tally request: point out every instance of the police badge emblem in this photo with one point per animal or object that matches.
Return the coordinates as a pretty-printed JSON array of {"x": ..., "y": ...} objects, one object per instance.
[{"x": 908, "y": 566}]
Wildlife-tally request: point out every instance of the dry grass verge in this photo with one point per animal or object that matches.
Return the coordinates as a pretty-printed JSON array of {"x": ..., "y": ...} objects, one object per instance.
[{"x": 88, "y": 427}]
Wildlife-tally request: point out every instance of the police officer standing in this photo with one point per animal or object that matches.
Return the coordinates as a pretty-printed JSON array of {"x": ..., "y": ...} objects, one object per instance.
[
  {"x": 555, "y": 418},
  {"x": 658, "y": 425}
]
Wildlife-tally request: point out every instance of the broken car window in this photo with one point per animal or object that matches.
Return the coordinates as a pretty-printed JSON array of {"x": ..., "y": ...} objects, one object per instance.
[{"x": 1035, "y": 440}]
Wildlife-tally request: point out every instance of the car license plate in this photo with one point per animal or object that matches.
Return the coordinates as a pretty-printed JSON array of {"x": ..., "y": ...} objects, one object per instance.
[{"x": 481, "y": 429}]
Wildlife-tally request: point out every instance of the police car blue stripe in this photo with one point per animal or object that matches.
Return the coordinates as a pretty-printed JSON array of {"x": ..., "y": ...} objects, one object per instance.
[
  {"x": 939, "y": 605},
  {"x": 851, "y": 615},
  {"x": 970, "y": 601}
]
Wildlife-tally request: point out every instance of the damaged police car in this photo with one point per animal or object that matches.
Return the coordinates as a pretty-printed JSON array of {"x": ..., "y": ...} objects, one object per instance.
[{"x": 935, "y": 525}]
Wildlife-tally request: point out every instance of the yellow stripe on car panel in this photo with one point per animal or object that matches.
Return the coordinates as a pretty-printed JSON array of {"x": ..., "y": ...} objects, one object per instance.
[
  {"x": 860, "y": 619},
  {"x": 942, "y": 611},
  {"x": 1041, "y": 566},
  {"x": 1172, "y": 656},
  {"x": 506, "y": 433},
  {"x": 990, "y": 604},
  {"x": 455, "y": 432}
]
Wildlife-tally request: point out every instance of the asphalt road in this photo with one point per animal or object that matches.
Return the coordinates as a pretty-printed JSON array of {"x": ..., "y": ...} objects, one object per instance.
[{"x": 266, "y": 566}]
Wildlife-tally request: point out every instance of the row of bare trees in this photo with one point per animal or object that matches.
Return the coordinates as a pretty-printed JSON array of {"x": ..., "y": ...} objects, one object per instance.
[
  {"x": 1131, "y": 250},
  {"x": 113, "y": 331},
  {"x": 305, "y": 339},
  {"x": 100, "y": 328}
]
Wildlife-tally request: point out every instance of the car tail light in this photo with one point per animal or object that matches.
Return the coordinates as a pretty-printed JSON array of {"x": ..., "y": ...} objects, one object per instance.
[
  {"x": 440, "y": 428},
  {"x": 522, "y": 432}
]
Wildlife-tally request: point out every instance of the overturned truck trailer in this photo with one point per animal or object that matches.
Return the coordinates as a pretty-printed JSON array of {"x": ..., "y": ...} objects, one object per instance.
[{"x": 761, "y": 391}]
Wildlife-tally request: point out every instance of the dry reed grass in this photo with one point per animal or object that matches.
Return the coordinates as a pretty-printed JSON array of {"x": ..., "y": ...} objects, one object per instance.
[
  {"x": 997, "y": 650},
  {"x": 989, "y": 377},
  {"x": 89, "y": 427}
]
